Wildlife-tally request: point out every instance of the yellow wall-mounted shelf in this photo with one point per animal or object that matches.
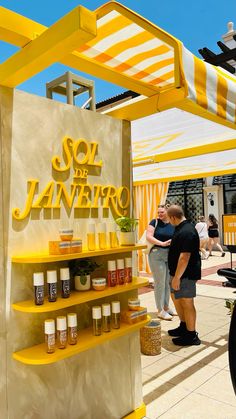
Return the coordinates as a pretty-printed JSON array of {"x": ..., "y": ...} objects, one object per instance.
[
  {"x": 46, "y": 258},
  {"x": 36, "y": 355},
  {"x": 78, "y": 297}
]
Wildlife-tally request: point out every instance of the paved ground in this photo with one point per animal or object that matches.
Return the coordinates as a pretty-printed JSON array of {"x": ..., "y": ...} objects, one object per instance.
[{"x": 193, "y": 382}]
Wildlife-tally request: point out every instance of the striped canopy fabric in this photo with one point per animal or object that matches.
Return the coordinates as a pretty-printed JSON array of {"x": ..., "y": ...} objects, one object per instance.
[
  {"x": 212, "y": 88},
  {"x": 146, "y": 199},
  {"x": 126, "y": 47},
  {"x": 129, "y": 45},
  {"x": 175, "y": 133}
]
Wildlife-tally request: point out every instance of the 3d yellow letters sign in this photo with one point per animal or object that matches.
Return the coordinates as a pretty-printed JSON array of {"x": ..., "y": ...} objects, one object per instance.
[{"x": 79, "y": 155}]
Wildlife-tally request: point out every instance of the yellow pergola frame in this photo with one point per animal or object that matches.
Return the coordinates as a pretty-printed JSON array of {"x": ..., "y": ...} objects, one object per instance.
[
  {"x": 198, "y": 150},
  {"x": 71, "y": 31},
  {"x": 42, "y": 46}
]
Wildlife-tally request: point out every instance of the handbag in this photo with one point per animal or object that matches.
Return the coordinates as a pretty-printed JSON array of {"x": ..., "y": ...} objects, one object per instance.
[{"x": 143, "y": 240}]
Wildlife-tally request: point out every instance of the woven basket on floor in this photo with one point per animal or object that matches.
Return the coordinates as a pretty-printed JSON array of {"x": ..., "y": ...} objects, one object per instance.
[{"x": 150, "y": 338}]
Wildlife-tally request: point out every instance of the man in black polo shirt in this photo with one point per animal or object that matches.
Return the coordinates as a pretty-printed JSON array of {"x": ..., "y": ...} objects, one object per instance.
[{"x": 185, "y": 269}]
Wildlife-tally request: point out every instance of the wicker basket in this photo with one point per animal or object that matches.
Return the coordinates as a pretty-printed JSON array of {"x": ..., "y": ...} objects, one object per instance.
[{"x": 150, "y": 338}]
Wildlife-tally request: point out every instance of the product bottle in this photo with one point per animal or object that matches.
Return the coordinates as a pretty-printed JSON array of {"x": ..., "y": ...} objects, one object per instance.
[
  {"x": 115, "y": 319},
  {"x": 72, "y": 328},
  {"x": 128, "y": 270},
  {"x": 106, "y": 317},
  {"x": 38, "y": 280},
  {"x": 61, "y": 332},
  {"x": 97, "y": 320},
  {"x": 65, "y": 282},
  {"x": 50, "y": 337},
  {"x": 120, "y": 271},
  {"x": 113, "y": 240},
  {"x": 111, "y": 273},
  {"x": 91, "y": 242},
  {"x": 102, "y": 239},
  {"x": 52, "y": 286}
]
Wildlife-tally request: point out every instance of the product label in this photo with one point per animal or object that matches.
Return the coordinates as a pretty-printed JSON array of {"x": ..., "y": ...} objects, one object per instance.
[
  {"x": 39, "y": 294},
  {"x": 66, "y": 288},
  {"x": 63, "y": 336},
  {"x": 128, "y": 274},
  {"x": 120, "y": 276},
  {"x": 73, "y": 332},
  {"x": 111, "y": 279},
  {"x": 51, "y": 340},
  {"x": 52, "y": 291}
]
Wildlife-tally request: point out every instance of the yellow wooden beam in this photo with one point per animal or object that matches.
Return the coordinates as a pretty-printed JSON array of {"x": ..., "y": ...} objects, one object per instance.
[
  {"x": 188, "y": 152},
  {"x": 140, "y": 107},
  {"x": 74, "y": 29},
  {"x": 133, "y": 109},
  {"x": 174, "y": 178},
  {"x": 18, "y": 30}
]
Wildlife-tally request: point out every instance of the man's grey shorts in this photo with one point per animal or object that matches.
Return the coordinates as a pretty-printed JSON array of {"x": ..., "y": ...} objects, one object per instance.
[{"x": 187, "y": 289}]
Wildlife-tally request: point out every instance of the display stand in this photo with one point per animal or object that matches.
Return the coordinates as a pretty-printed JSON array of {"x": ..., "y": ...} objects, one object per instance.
[{"x": 39, "y": 199}]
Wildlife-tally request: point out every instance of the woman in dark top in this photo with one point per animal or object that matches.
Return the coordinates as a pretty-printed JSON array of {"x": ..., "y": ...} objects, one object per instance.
[
  {"x": 213, "y": 233},
  {"x": 159, "y": 233}
]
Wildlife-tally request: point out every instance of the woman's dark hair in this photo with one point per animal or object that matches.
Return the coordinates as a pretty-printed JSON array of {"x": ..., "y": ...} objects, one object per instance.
[{"x": 213, "y": 219}]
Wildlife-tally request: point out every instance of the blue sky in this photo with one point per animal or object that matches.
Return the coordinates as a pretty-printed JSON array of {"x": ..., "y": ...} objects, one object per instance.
[{"x": 197, "y": 24}]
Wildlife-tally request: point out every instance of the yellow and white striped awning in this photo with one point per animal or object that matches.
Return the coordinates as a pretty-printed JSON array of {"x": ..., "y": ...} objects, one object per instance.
[
  {"x": 210, "y": 87},
  {"x": 125, "y": 47}
]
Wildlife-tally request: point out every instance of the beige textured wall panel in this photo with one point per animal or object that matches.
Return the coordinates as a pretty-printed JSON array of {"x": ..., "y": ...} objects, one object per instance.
[
  {"x": 102, "y": 383},
  {"x": 6, "y": 96}
]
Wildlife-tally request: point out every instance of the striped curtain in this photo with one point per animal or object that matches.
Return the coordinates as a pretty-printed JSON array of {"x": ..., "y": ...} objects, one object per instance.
[{"x": 146, "y": 200}]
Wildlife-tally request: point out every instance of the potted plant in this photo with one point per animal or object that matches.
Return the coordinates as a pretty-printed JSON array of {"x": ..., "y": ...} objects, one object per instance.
[
  {"x": 81, "y": 269},
  {"x": 127, "y": 227}
]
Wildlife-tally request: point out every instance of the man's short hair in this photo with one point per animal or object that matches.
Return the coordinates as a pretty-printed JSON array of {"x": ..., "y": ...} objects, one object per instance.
[{"x": 175, "y": 211}]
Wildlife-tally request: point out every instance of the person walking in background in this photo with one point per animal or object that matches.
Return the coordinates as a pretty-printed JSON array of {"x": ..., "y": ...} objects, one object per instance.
[
  {"x": 185, "y": 269},
  {"x": 213, "y": 233},
  {"x": 159, "y": 233},
  {"x": 202, "y": 230}
]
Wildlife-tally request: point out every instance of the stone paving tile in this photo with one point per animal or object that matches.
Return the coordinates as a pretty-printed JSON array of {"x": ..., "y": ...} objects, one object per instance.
[
  {"x": 157, "y": 400},
  {"x": 195, "y": 406},
  {"x": 219, "y": 388}
]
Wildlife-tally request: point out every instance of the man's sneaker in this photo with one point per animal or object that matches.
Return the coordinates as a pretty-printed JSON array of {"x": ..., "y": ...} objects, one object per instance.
[
  {"x": 164, "y": 315},
  {"x": 179, "y": 331},
  {"x": 187, "y": 340}
]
